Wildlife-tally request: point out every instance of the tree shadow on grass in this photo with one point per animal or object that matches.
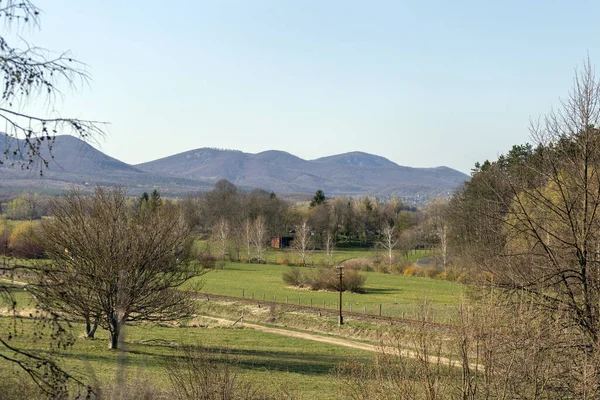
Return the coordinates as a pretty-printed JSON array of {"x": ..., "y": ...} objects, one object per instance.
[{"x": 310, "y": 363}]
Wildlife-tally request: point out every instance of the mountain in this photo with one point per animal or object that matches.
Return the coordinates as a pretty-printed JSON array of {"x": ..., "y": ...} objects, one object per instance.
[
  {"x": 75, "y": 162},
  {"x": 354, "y": 173},
  {"x": 357, "y": 159}
]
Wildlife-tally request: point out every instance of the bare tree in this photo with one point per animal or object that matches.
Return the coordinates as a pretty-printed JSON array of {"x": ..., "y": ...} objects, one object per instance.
[
  {"x": 220, "y": 235},
  {"x": 389, "y": 241},
  {"x": 329, "y": 247},
  {"x": 246, "y": 235},
  {"x": 33, "y": 72},
  {"x": 126, "y": 267},
  {"x": 542, "y": 204},
  {"x": 29, "y": 73},
  {"x": 259, "y": 238},
  {"x": 438, "y": 222},
  {"x": 303, "y": 243}
]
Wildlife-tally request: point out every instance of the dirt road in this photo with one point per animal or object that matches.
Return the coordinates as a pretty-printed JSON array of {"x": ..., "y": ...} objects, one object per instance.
[{"x": 339, "y": 342}]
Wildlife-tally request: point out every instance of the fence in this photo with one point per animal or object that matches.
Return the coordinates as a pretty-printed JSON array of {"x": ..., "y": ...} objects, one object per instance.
[{"x": 371, "y": 312}]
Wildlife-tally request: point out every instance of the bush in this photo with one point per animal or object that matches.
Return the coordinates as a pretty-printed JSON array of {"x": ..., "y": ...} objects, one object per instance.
[
  {"x": 434, "y": 272},
  {"x": 399, "y": 266},
  {"x": 325, "y": 278},
  {"x": 413, "y": 270},
  {"x": 381, "y": 268},
  {"x": 4, "y": 245},
  {"x": 293, "y": 277},
  {"x": 206, "y": 260},
  {"x": 283, "y": 261},
  {"x": 354, "y": 282},
  {"x": 23, "y": 242}
]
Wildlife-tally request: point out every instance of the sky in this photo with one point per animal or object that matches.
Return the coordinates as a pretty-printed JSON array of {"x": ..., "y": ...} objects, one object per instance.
[{"x": 421, "y": 83}]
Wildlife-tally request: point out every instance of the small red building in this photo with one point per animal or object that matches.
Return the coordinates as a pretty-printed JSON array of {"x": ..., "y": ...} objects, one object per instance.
[{"x": 281, "y": 242}]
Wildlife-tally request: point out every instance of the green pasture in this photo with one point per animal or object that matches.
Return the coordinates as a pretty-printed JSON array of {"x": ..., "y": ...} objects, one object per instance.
[
  {"x": 317, "y": 257},
  {"x": 261, "y": 358},
  {"x": 398, "y": 295}
]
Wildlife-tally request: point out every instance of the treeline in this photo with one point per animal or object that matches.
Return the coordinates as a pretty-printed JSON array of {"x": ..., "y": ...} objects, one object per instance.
[
  {"x": 527, "y": 226},
  {"x": 239, "y": 224}
]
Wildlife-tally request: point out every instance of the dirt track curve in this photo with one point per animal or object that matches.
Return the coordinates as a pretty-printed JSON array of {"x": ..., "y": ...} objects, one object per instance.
[{"x": 340, "y": 342}]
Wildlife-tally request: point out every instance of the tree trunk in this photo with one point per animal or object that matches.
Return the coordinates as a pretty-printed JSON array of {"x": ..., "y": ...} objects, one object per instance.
[
  {"x": 114, "y": 334},
  {"x": 90, "y": 328}
]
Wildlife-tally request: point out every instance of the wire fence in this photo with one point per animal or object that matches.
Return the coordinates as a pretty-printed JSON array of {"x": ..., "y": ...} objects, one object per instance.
[{"x": 379, "y": 312}]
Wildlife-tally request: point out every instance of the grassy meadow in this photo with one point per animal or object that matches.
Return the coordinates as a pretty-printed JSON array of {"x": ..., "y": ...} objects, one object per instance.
[
  {"x": 399, "y": 295},
  {"x": 261, "y": 358}
]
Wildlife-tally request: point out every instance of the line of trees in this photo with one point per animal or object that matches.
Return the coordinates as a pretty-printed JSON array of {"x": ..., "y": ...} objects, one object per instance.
[
  {"x": 240, "y": 224},
  {"x": 529, "y": 224}
]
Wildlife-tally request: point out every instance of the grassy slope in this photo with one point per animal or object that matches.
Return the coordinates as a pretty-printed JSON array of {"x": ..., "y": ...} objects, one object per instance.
[
  {"x": 298, "y": 364},
  {"x": 397, "y": 294}
]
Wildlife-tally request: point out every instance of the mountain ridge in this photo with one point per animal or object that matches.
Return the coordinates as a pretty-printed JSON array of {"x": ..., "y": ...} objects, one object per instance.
[{"x": 76, "y": 162}]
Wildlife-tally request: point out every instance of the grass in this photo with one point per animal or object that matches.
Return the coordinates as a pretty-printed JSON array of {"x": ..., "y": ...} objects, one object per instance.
[
  {"x": 318, "y": 256},
  {"x": 298, "y": 364},
  {"x": 399, "y": 295}
]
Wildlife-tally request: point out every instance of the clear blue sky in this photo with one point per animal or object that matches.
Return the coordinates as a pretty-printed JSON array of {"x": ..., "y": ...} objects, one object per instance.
[{"x": 421, "y": 83}]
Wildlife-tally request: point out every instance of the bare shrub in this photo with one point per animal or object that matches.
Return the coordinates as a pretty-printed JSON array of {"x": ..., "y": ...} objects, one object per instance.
[
  {"x": 324, "y": 278},
  {"x": 395, "y": 373},
  {"x": 293, "y": 277}
]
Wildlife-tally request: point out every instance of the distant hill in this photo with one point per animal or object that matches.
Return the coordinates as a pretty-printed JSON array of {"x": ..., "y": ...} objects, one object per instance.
[
  {"x": 75, "y": 163},
  {"x": 353, "y": 173},
  {"x": 78, "y": 163}
]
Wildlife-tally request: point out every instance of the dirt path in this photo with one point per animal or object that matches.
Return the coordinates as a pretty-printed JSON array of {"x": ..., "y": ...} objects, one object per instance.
[{"x": 340, "y": 342}]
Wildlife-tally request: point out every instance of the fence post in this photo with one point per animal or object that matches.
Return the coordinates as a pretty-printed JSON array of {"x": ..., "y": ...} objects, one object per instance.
[
  {"x": 243, "y": 294},
  {"x": 380, "y": 310},
  {"x": 311, "y": 301}
]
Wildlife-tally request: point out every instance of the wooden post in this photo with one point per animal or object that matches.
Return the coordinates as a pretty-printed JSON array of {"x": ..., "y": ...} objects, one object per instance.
[
  {"x": 243, "y": 296},
  {"x": 380, "y": 310}
]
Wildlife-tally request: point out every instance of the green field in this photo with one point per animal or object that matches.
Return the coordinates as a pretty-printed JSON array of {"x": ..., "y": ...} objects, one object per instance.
[
  {"x": 318, "y": 256},
  {"x": 296, "y": 364},
  {"x": 398, "y": 295}
]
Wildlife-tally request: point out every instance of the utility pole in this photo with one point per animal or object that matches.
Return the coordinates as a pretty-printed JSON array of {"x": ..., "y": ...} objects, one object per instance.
[{"x": 341, "y": 269}]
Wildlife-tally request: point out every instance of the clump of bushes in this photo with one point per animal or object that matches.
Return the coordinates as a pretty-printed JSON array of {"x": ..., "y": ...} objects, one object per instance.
[
  {"x": 325, "y": 278},
  {"x": 205, "y": 259},
  {"x": 22, "y": 241},
  {"x": 283, "y": 261}
]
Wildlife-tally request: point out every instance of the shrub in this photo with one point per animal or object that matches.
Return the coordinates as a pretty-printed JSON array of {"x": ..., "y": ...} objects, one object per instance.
[
  {"x": 353, "y": 281},
  {"x": 413, "y": 270},
  {"x": 381, "y": 268},
  {"x": 293, "y": 277},
  {"x": 23, "y": 242},
  {"x": 206, "y": 260},
  {"x": 325, "y": 278},
  {"x": 283, "y": 261},
  {"x": 433, "y": 272}
]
